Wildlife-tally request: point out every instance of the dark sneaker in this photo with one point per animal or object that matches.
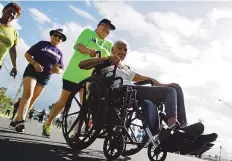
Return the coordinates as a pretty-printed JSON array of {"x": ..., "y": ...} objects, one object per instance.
[
  {"x": 12, "y": 124},
  {"x": 19, "y": 126},
  {"x": 207, "y": 138}
]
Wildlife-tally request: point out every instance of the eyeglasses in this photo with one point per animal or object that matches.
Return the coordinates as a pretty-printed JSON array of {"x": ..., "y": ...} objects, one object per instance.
[{"x": 59, "y": 36}]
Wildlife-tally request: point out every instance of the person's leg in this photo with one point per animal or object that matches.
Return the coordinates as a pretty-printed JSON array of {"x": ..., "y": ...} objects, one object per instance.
[
  {"x": 160, "y": 94},
  {"x": 181, "y": 113},
  {"x": 37, "y": 92},
  {"x": 56, "y": 109},
  {"x": 170, "y": 102},
  {"x": 14, "y": 112},
  {"x": 58, "y": 106},
  {"x": 151, "y": 115},
  {"x": 28, "y": 91},
  {"x": 81, "y": 93},
  {"x": 8, "y": 112}
]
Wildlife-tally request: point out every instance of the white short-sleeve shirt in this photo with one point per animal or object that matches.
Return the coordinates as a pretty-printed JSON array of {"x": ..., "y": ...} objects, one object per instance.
[{"x": 122, "y": 71}]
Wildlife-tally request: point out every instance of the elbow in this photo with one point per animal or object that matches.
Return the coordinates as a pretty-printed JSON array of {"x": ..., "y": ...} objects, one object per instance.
[
  {"x": 26, "y": 55},
  {"x": 81, "y": 65},
  {"x": 79, "y": 47}
]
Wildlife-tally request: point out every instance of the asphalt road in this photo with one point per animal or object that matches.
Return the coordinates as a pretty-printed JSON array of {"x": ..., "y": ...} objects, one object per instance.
[{"x": 32, "y": 146}]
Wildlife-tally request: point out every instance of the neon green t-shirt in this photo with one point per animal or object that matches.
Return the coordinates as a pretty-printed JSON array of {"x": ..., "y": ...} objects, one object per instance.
[
  {"x": 8, "y": 38},
  {"x": 91, "y": 40}
]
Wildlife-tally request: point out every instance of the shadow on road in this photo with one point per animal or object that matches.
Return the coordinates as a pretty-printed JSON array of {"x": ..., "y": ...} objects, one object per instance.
[{"x": 26, "y": 149}]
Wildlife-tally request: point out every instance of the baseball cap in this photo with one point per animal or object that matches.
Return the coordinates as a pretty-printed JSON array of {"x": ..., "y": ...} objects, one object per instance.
[{"x": 108, "y": 22}]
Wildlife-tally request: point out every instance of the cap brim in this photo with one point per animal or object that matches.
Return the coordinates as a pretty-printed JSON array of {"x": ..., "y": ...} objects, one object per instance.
[
  {"x": 54, "y": 31},
  {"x": 112, "y": 27}
]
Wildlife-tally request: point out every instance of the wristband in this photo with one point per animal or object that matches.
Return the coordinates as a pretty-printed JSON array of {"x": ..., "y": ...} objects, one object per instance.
[{"x": 107, "y": 62}]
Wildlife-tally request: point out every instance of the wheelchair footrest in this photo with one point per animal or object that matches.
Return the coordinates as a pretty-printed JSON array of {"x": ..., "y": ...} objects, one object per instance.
[{"x": 176, "y": 142}]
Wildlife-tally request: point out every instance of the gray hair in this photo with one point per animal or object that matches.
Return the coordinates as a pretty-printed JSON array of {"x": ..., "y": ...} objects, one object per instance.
[{"x": 120, "y": 42}]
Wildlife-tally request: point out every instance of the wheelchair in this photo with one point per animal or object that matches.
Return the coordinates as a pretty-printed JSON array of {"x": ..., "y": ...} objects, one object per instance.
[{"x": 113, "y": 112}]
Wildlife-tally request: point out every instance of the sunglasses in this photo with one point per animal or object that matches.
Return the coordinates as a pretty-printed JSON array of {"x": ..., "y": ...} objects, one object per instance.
[
  {"x": 13, "y": 13},
  {"x": 59, "y": 36}
]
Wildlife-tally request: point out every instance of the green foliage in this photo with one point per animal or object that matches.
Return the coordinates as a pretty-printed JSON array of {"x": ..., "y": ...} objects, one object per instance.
[
  {"x": 50, "y": 107},
  {"x": 5, "y": 102}
]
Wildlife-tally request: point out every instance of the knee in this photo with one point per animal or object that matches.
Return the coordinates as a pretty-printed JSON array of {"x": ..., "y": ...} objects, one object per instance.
[
  {"x": 178, "y": 89},
  {"x": 147, "y": 104},
  {"x": 171, "y": 92},
  {"x": 27, "y": 94},
  {"x": 149, "y": 108}
]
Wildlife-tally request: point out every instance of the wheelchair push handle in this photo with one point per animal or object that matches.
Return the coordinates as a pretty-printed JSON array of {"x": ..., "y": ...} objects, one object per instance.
[
  {"x": 114, "y": 71},
  {"x": 98, "y": 53}
]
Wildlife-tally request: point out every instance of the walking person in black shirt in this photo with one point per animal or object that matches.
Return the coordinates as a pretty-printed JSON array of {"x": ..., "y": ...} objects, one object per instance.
[
  {"x": 16, "y": 106},
  {"x": 41, "y": 115}
]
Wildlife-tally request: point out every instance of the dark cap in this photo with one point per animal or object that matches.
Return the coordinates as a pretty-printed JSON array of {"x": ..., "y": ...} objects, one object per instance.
[
  {"x": 60, "y": 31},
  {"x": 108, "y": 22}
]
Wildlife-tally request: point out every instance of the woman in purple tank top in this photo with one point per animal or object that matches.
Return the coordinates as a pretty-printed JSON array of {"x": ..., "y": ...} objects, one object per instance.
[{"x": 44, "y": 59}]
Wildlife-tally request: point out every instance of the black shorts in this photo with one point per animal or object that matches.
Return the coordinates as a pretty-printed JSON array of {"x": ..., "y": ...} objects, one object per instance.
[
  {"x": 69, "y": 86},
  {"x": 42, "y": 78}
]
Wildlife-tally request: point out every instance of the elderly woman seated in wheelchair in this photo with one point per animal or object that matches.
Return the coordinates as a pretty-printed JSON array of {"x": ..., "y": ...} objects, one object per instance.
[{"x": 178, "y": 137}]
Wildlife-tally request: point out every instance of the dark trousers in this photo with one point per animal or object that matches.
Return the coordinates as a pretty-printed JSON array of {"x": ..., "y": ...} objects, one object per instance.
[{"x": 7, "y": 112}]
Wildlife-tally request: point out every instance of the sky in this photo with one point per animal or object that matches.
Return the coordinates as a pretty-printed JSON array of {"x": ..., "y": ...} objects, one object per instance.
[{"x": 184, "y": 42}]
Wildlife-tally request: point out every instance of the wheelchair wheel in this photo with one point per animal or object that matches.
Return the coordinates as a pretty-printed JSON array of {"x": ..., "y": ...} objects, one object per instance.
[
  {"x": 156, "y": 154},
  {"x": 114, "y": 145},
  {"x": 132, "y": 122},
  {"x": 77, "y": 131}
]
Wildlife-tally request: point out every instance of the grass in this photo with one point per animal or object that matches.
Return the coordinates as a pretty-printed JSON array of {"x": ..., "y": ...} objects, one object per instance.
[{"x": 3, "y": 115}]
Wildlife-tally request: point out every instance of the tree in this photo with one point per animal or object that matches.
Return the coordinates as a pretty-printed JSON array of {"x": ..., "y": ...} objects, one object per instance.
[
  {"x": 50, "y": 107},
  {"x": 4, "y": 101}
]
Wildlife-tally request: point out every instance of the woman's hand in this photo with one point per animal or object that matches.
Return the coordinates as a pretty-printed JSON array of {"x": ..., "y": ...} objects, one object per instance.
[
  {"x": 38, "y": 67},
  {"x": 56, "y": 69}
]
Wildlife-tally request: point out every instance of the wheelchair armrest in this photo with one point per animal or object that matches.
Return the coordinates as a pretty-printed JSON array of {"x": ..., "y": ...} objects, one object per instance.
[
  {"x": 99, "y": 67},
  {"x": 145, "y": 82}
]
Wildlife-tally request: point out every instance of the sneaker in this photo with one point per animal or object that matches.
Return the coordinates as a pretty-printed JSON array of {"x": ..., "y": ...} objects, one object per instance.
[
  {"x": 12, "y": 124},
  {"x": 19, "y": 126},
  {"x": 47, "y": 130},
  {"x": 207, "y": 138}
]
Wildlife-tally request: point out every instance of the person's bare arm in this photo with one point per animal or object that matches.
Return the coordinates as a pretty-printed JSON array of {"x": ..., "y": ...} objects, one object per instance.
[
  {"x": 88, "y": 64},
  {"x": 29, "y": 58},
  {"x": 13, "y": 55},
  {"x": 138, "y": 78},
  {"x": 37, "y": 66},
  {"x": 84, "y": 50}
]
